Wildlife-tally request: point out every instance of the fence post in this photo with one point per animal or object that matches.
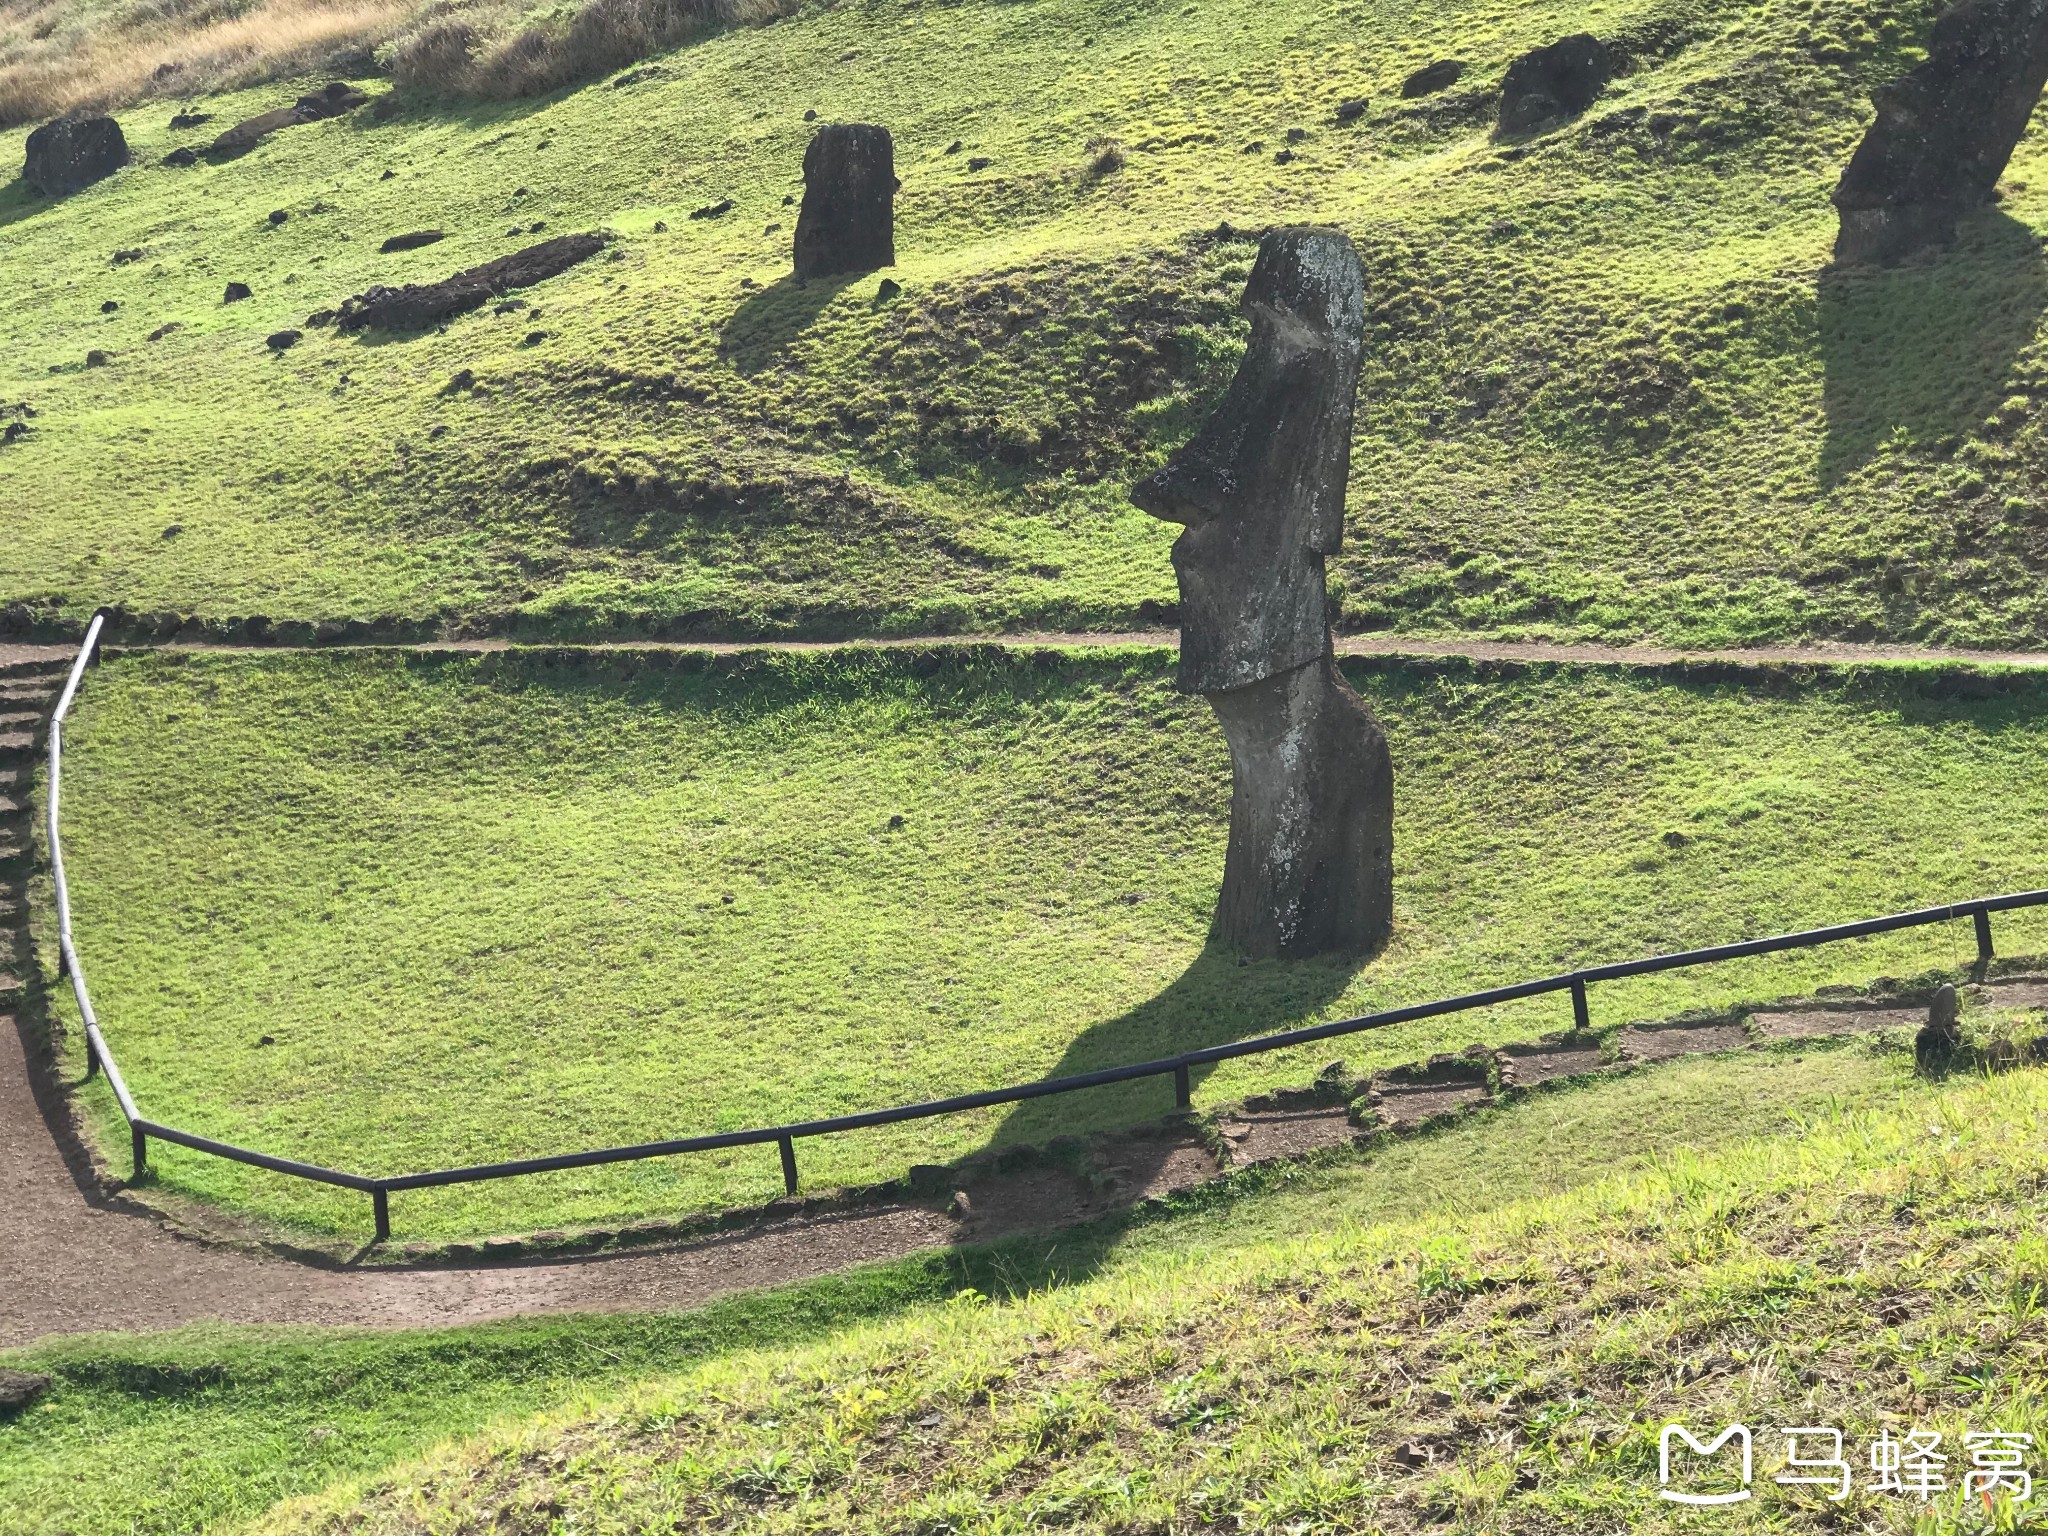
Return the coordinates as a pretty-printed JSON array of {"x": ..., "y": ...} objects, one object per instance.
[
  {"x": 1183, "y": 1090},
  {"x": 380, "y": 1209},
  {"x": 1581, "y": 1019},
  {"x": 788, "y": 1165},
  {"x": 138, "y": 1146},
  {"x": 1983, "y": 917}
]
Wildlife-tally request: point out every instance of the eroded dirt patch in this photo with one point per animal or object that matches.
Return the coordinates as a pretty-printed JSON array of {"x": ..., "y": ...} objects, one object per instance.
[
  {"x": 1811, "y": 1023},
  {"x": 1264, "y": 1136},
  {"x": 1542, "y": 1061},
  {"x": 1664, "y": 1042}
]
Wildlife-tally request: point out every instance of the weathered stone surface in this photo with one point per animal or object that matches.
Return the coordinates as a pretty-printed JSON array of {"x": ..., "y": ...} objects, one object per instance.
[
  {"x": 332, "y": 100},
  {"x": 411, "y": 242},
  {"x": 1260, "y": 490},
  {"x": 1547, "y": 85},
  {"x": 73, "y": 152},
  {"x": 1944, "y": 131},
  {"x": 1942, "y": 1032},
  {"x": 1431, "y": 78},
  {"x": 419, "y": 305},
  {"x": 848, "y": 219},
  {"x": 18, "y": 1389}
]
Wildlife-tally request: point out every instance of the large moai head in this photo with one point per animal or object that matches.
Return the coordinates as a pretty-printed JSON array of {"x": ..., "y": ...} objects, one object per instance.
[
  {"x": 71, "y": 153},
  {"x": 1944, "y": 131},
  {"x": 848, "y": 219},
  {"x": 1261, "y": 486}
]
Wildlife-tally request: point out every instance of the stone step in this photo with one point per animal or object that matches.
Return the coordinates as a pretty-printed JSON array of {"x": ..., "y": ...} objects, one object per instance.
[
  {"x": 19, "y": 719},
  {"x": 18, "y": 743},
  {"x": 31, "y": 669}
]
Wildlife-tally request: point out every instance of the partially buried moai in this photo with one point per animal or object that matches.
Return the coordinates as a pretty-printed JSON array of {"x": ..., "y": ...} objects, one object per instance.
[
  {"x": 848, "y": 219},
  {"x": 1260, "y": 489},
  {"x": 1944, "y": 131}
]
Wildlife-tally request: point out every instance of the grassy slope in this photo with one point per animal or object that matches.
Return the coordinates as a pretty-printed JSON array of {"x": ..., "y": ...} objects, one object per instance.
[
  {"x": 197, "y": 1428},
  {"x": 480, "y": 905},
  {"x": 1882, "y": 1268},
  {"x": 1608, "y": 392}
]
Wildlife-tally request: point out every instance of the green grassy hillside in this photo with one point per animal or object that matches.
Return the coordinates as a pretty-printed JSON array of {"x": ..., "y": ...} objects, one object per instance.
[
  {"x": 389, "y": 912},
  {"x": 204, "y": 1428},
  {"x": 1610, "y": 390},
  {"x": 1878, "y": 1267}
]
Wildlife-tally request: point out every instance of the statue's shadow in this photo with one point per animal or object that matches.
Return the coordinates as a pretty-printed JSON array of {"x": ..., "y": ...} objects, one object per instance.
[
  {"x": 1216, "y": 999},
  {"x": 776, "y": 316},
  {"x": 1927, "y": 346}
]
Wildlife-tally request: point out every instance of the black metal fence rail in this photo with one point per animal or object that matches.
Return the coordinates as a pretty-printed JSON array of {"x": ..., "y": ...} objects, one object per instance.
[{"x": 785, "y": 1137}]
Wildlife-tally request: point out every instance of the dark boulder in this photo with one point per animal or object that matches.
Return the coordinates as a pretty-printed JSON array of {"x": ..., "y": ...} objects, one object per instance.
[
  {"x": 97, "y": 358},
  {"x": 717, "y": 210},
  {"x": 73, "y": 152},
  {"x": 281, "y": 341},
  {"x": 234, "y": 293},
  {"x": 848, "y": 219},
  {"x": 1944, "y": 131},
  {"x": 331, "y": 100},
  {"x": 18, "y": 1389},
  {"x": 185, "y": 156},
  {"x": 191, "y": 119},
  {"x": 1431, "y": 78},
  {"x": 1548, "y": 85},
  {"x": 1352, "y": 108},
  {"x": 411, "y": 242},
  {"x": 417, "y": 306},
  {"x": 279, "y": 215}
]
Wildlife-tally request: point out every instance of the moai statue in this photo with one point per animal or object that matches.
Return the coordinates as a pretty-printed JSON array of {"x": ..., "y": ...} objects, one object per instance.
[
  {"x": 1944, "y": 131},
  {"x": 1261, "y": 491},
  {"x": 848, "y": 220}
]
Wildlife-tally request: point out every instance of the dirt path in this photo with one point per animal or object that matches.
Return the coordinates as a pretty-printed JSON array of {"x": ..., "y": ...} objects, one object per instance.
[{"x": 1834, "y": 652}]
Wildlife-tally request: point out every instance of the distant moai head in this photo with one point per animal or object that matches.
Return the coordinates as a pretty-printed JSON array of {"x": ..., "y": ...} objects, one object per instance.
[
  {"x": 1261, "y": 486},
  {"x": 848, "y": 219}
]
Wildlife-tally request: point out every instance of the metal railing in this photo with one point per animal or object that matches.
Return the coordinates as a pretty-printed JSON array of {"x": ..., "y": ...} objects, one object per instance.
[{"x": 785, "y": 1137}]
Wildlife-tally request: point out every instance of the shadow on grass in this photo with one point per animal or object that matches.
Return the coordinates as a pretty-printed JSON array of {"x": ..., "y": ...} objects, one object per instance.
[
  {"x": 1216, "y": 999},
  {"x": 776, "y": 316},
  {"x": 1926, "y": 347}
]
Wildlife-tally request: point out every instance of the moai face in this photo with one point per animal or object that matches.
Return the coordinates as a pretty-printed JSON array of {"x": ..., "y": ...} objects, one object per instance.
[{"x": 1261, "y": 486}]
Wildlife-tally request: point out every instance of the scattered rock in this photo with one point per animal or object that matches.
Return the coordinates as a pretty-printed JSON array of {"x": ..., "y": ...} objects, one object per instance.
[
  {"x": 185, "y": 156},
  {"x": 955, "y": 147},
  {"x": 1431, "y": 78},
  {"x": 98, "y": 359},
  {"x": 279, "y": 215},
  {"x": 848, "y": 219},
  {"x": 1352, "y": 108},
  {"x": 110, "y": 306},
  {"x": 280, "y": 341},
  {"x": 636, "y": 77},
  {"x": 18, "y": 1389},
  {"x": 979, "y": 163},
  {"x": 717, "y": 210},
  {"x": 522, "y": 192},
  {"x": 889, "y": 289},
  {"x": 961, "y": 1206},
  {"x": 660, "y": 227},
  {"x": 1284, "y": 157},
  {"x": 1547, "y": 85},
  {"x": 1296, "y": 135},
  {"x": 463, "y": 379},
  {"x": 235, "y": 293},
  {"x": 1256, "y": 147},
  {"x": 411, "y": 242},
  {"x": 318, "y": 318},
  {"x": 165, "y": 329},
  {"x": 535, "y": 338},
  {"x": 811, "y": 115},
  {"x": 171, "y": 533},
  {"x": 418, "y": 306},
  {"x": 1944, "y": 131},
  {"x": 332, "y": 100},
  {"x": 72, "y": 153},
  {"x": 1412, "y": 1453},
  {"x": 536, "y": 226},
  {"x": 387, "y": 176},
  {"x": 123, "y": 258},
  {"x": 190, "y": 119},
  {"x": 14, "y": 432}
]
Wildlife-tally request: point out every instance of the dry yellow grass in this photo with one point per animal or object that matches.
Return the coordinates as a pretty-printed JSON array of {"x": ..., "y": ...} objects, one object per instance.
[{"x": 58, "y": 58}]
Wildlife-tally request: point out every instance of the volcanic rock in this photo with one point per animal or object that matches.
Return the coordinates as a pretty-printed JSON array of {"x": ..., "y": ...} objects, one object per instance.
[
  {"x": 1944, "y": 131},
  {"x": 417, "y": 306},
  {"x": 411, "y": 242},
  {"x": 332, "y": 100},
  {"x": 1431, "y": 78},
  {"x": 848, "y": 219},
  {"x": 1260, "y": 491},
  {"x": 1547, "y": 85},
  {"x": 72, "y": 153}
]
